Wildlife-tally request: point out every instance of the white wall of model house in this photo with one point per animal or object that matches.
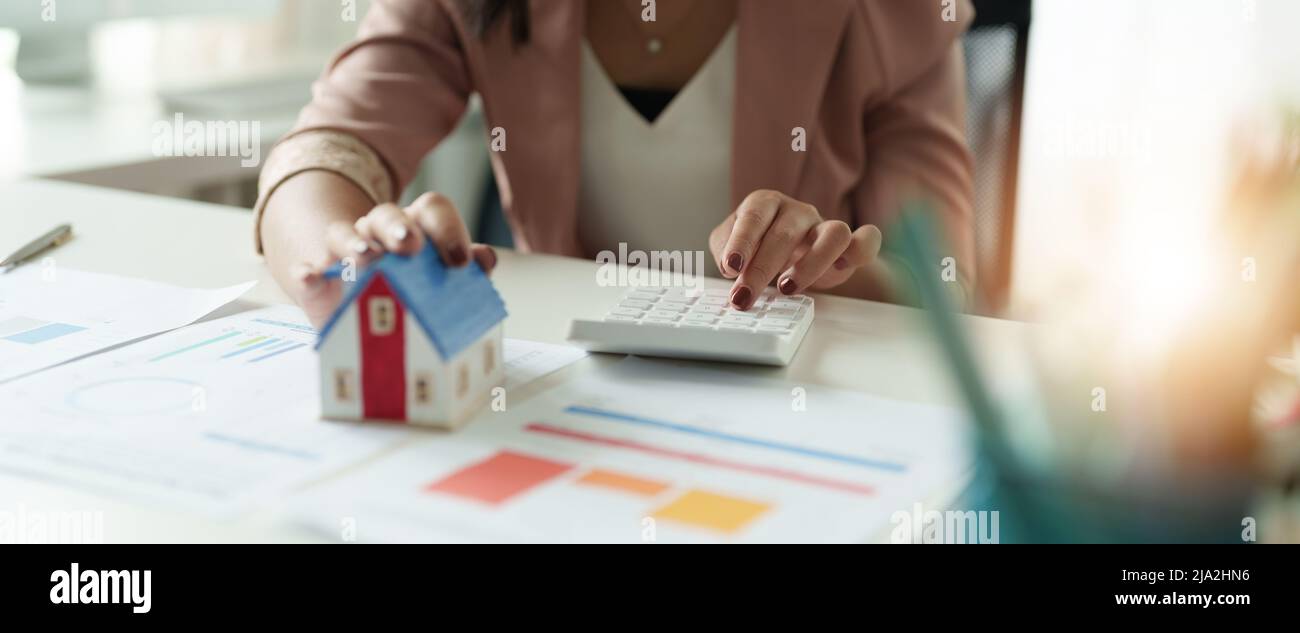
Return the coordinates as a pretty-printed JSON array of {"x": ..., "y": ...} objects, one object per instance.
[{"x": 438, "y": 393}]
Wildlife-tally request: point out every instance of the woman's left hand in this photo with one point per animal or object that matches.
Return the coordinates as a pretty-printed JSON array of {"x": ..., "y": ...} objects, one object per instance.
[{"x": 772, "y": 234}]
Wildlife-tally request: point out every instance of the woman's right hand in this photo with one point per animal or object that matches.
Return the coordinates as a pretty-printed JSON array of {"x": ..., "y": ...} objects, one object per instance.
[{"x": 387, "y": 228}]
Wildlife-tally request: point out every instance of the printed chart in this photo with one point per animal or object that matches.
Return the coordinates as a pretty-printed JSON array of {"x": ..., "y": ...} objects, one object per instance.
[
  {"x": 211, "y": 417},
  {"x": 51, "y": 316},
  {"x": 214, "y": 417},
  {"x": 657, "y": 451}
]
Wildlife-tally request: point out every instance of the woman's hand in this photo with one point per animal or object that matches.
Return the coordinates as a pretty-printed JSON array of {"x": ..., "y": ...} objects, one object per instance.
[
  {"x": 772, "y": 234},
  {"x": 388, "y": 228}
]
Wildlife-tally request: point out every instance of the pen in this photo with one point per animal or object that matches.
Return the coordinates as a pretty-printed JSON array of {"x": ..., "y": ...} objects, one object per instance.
[{"x": 59, "y": 235}]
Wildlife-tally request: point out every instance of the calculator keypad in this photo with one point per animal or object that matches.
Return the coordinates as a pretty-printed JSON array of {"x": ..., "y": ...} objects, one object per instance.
[{"x": 773, "y": 313}]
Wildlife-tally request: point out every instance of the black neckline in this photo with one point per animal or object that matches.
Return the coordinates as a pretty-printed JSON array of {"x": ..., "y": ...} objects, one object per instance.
[{"x": 650, "y": 103}]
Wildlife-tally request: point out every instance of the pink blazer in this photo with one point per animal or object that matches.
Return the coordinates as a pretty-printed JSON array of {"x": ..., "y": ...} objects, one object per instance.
[{"x": 878, "y": 85}]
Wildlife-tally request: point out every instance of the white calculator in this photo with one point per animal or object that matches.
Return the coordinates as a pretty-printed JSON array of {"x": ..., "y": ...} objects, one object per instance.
[{"x": 699, "y": 324}]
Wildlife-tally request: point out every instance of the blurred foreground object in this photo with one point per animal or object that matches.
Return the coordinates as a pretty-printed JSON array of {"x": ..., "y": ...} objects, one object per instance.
[{"x": 1118, "y": 446}]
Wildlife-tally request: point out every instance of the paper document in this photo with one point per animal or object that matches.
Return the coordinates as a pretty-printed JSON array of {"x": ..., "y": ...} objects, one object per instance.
[
  {"x": 213, "y": 417},
  {"x": 52, "y": 315},
  {"x": 659, "y": 451},
  {"x": 527, "y": 361}
]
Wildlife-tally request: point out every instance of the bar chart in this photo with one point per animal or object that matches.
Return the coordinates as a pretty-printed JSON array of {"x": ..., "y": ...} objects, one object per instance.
[
  {"x": 508, "y": 474},
  {"x": 610, "y": 457},
  {"x": 267, "y": 340}
]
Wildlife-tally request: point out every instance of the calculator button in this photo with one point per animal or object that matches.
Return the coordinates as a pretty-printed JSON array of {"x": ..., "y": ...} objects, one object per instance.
[
  {"x": 658, "y": 322},
  {"x": 713, "y": 301},
  {"x": 776, "y": 321},
  {"x": 643, "y": 295},
  {"x": 635, "y": 304},
  {"x": 619, "y": 318},
  {"x": 774, "y": 329},
  {"x": 736, "y": 326},
  {"x": 700, "y": 318},
  {"x": 710, "y": 310},
  {"x": 783, "y": 314},
  {"x": 626, "y": 312},
  {"x": 654, "y": 290},
  {"x": 739, "y": 320},
  {"x": 663, "y": 314},
  {"x": 675, "y": 308}
]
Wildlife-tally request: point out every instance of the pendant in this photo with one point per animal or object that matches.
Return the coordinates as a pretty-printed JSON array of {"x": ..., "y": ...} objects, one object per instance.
[{"x": 654, "y": 45}]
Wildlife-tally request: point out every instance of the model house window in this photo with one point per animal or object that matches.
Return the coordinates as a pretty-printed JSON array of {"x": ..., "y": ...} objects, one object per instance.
[
  {"x": 343, "y": 385},
  {"x": 423, "y": 388},
  {"x": 489, "y": 357},
  {"x": 383, "y": 315},
  {"x": 462, "y": 380}
]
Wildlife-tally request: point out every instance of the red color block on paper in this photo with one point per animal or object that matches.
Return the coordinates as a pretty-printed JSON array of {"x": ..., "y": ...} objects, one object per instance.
[{"x": 499, "y": 478}]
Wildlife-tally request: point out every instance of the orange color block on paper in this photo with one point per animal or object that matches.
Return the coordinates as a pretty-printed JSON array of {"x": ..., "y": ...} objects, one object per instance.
[
  {"x": 499, "y": 478},
  {"x": 625, "y": 483}
]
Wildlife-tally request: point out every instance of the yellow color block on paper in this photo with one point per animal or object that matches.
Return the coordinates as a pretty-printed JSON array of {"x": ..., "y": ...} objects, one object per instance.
[{"x": 715, "y": 512}]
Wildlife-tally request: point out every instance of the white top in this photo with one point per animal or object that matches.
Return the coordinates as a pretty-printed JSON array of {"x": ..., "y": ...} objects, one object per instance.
[{"x": 660, "y": 186}]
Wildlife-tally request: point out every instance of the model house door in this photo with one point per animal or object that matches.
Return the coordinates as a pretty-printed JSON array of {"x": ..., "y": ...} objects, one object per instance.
[{"x": 383, "y": 352}]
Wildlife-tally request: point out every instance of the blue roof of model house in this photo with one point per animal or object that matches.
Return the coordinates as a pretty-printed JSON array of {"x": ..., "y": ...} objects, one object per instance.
[{"x": 454, "y": 306}]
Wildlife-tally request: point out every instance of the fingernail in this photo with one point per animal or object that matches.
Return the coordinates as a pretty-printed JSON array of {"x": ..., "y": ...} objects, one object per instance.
[
  {"x": 399, "y": 232},
  {"x": 735, "y": 261},
  {"x": 360, "y": 247},
  {"x": 788, "y": 286},
  {"x": 741, "y": 298},
  {"x": 457, "y": 256},
  {"x": 841, "y": 264},
  {"x": 492, "y": 258}
]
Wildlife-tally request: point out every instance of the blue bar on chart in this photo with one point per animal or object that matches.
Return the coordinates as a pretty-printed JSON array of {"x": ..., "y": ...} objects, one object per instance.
[
  {"x": 44, "y": 333},
  {"x": 242, "y": 350},
  {"x": 279, "y": 350}
]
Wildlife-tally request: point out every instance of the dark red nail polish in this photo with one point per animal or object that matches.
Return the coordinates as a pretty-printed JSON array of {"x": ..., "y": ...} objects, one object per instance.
[
  {"x": 457, "y": 256},
  {"x": 735, "y": 261},
  {"x": 742, "y": 298},
  {"x": 492, "y": 258},
  {"x": 788, "y": 286},
  {"x": 841, "y": 264}
]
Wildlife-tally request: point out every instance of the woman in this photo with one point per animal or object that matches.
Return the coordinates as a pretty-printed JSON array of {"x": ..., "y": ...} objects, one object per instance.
[{"x": 775, "y": 135}]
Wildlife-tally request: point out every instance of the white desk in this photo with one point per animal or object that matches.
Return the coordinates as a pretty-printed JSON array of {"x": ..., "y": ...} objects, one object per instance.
[
  {"x": 75, "y": 134},
  {"x": 869, "y": 347}
]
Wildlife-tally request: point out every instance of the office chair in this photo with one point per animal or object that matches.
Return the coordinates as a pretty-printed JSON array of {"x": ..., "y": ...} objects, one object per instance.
[{"x": 996, "y": 50}]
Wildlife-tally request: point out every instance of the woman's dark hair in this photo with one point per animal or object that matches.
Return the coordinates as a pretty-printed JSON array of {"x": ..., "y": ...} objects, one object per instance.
[{"x": 482, "y": 15}]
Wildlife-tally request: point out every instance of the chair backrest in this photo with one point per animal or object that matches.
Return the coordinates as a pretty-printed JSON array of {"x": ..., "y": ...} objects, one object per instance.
[{"x": 996, "y": 50}]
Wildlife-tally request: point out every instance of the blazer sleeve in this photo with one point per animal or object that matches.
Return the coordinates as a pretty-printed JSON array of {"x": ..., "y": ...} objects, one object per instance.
[
  {"x": 381, "y": 104},
  {"x": 916, "y": 130}
]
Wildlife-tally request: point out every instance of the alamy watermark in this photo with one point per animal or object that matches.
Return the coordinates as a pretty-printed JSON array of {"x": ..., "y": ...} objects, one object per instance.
[
  {"x": 951, "y": 526},
  {"x": 637, "y": 268},
  {"x": 179, "y": 137},
  {"x": 24, "y": 525}
]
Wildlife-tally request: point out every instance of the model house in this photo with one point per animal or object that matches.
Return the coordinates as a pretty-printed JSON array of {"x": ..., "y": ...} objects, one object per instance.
[{"x": 413, "y": 341}]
